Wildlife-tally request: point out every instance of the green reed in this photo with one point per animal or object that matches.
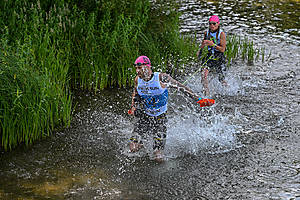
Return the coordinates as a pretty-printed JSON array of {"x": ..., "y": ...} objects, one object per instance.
[
  {"x": 35, "y": 97},
  {"x": 243, "y": 48},
  {"x": 116, "y": 33},
  {"x": 31, "y": 105},
  {"x": 50, "y": 47},
  {"x": 170, "y": 49}
]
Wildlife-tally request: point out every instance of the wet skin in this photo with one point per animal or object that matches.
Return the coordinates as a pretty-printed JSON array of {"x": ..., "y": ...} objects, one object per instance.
[{"x": 145, "y": 72}]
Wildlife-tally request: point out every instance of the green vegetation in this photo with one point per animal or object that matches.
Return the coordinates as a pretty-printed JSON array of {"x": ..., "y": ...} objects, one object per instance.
[
  {"x": 34, "y": 93},
  {"x": 243, "y": 48},
  {"x": 240, "y": 48},
  {"x": 49, "y": 48}
]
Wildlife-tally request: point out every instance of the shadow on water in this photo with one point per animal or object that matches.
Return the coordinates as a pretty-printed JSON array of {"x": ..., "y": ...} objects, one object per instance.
[{"x": 246, "y": 146}]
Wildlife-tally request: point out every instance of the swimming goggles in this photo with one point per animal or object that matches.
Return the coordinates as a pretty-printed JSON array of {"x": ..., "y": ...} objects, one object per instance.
[{"x": 140, "y": 64}]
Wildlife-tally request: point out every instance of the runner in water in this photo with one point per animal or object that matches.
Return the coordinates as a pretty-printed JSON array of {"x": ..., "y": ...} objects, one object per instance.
[
  {"x": 149, "y": 104},
  {"x": 215, "y": 40}
]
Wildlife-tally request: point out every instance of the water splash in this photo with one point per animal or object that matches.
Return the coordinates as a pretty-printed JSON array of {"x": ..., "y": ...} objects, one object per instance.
[
  {"x": 192, "y": 130},
  {"x": 196, "y": 134},
  {"x": 234, "y": 84}
]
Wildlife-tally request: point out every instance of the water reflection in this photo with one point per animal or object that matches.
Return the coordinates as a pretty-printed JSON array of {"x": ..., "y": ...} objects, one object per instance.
[
  {"x": 245, "y": 147},
  {"x": 279, "y": 19}
]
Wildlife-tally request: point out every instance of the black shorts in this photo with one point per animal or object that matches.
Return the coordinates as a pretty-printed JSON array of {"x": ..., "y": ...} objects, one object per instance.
[
  {"x": 217, "y": 64},
  {"x": 155, "y": 127}
]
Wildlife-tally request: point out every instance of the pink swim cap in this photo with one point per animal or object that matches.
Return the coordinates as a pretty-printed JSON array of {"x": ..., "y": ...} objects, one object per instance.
[
  {"x": 214, "y": 18},
  {"x": 144, "y": 60}
]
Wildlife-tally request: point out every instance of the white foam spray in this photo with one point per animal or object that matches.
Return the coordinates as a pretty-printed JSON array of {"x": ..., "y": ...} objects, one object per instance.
[
  {"x": 198, "y": 134},
  {"x": 194, "y": 131}
]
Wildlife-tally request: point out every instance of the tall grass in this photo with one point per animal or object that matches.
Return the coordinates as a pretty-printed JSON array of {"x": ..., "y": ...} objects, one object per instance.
[
  {"x": 116, "y": 33},
  {"x": 243, "y": 48},
  {"x": 32, "y": 104},
  {"x": 51, "y": 47},
  {"x": 34, "y": 82}
]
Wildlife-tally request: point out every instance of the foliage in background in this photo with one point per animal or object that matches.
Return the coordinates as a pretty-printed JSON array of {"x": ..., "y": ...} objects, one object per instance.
[
  {"x": 240, "y": 48},
  {"x": 33, "y": 101},
  {"x": 243, "y": 48},
  {"x": 49, "y": 47}
]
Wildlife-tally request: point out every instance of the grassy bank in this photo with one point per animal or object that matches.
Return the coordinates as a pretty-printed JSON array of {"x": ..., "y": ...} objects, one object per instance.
[
  {"x": 34, "y": 100},
  {"x": 51, "y": 47}
]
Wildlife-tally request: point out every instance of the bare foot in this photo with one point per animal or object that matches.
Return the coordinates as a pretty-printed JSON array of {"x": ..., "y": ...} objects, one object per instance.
[
  {"x": 225, "y": 83},
  {"x": 158, "y": 156},
  {"x": 134, "y": 146}
]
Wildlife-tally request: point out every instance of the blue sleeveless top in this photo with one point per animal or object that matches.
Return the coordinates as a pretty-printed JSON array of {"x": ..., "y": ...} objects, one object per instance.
[
  {"x": 153, "y": 96},
  {"x": 215, "y": 38}
]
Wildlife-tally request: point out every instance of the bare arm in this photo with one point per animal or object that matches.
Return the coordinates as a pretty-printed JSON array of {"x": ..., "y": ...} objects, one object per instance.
[
  {"x": 134, "y": 91},
  {"x": 202, "y": 45},
  {"x": 168, "y": 81},
  {"x": 132, "y": 109},
  {"x": 222, "y": 45}
]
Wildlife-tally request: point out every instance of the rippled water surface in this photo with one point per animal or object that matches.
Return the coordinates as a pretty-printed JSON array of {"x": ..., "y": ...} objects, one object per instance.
[{"x": 247, "y": 146}]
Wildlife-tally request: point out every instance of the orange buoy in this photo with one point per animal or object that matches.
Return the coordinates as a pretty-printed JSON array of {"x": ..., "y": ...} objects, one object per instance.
[{"x": 205, "y": 102}]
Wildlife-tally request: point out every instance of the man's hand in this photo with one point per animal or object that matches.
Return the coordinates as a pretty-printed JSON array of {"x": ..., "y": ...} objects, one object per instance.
[
  {"x": 208, "y": 43},
  {"x": 131, "y": 110}
]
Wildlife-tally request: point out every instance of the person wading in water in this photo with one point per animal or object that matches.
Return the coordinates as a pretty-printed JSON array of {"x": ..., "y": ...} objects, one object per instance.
[
  {"x": 149, "y": 104},
  {"x": 215, "y": 40}
]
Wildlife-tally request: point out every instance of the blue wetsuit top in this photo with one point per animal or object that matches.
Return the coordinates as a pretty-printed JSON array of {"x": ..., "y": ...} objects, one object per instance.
[{"x": 153, "y": 96}]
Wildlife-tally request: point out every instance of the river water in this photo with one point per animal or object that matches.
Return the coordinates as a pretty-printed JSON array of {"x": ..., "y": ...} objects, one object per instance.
[{"x": 246, "y": 146}]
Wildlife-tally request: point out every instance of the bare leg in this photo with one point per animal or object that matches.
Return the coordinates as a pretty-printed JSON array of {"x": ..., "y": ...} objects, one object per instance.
[
  {"x": 222, "y": 79},
  {"x": 225, "y": 83},
  {"x": 204, "y": 79}
]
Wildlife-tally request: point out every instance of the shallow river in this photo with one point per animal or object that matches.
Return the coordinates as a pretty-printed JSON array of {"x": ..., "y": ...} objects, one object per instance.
[{"x": 246, "y": 146}]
